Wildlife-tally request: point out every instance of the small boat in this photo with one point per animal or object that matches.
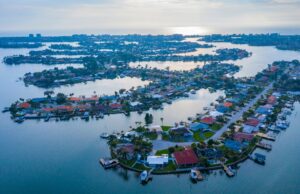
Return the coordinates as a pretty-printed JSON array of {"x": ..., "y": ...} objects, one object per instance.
[
  {"x": 47, "y": 118},
  {"x": 140, "y": 111},
  {"x": 100, "y": 116},
  {"x": 85, "y": 116},
  {"x": 144, "y": 177},
  {"x": 65, "y": 118},
  {"x": 193, "y": 91},
  {"x": 229, "y": 172},
  {"x": 19, "y": 119},
  {"x": 258, "y": 158},
  {"x": 169, "y": 102},
  {"x": 107, "y": 163},
  {"x": 196, "y": 175},
  {"x": 104, "y": 135}
]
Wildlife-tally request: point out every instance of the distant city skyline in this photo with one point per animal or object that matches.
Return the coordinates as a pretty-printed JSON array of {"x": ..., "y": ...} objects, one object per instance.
[{"x": 149, "y": 16}]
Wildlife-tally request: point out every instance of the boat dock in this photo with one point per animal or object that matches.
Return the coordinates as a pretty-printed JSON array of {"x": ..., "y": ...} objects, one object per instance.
[
  {"x": 265, "y": 136},
  {"x": 264, "y": 146},
  {"x": 107, "y": 163},
  {"x": 228, "y": 171}
]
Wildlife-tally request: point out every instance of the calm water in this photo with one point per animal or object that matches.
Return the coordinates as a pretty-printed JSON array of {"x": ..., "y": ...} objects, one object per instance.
[
  {"x": 62, "y": 157},
  {"x": 261, "y": 57}
]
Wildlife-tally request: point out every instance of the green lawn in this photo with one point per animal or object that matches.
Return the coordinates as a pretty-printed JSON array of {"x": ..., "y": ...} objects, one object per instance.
[
  {"x": 197, "y": 136},
  {"x": 127, "y": 162},
  {"x": 216, "y": 127},
  {"x": 152, "y": 136},
  {"x": 208, "y": 134},
  {"x": 170, "y": 167},
  {"x": 161, "y": 152},
  {"x": 165, "y": 128},
  {"x": 140, "y": 167}
]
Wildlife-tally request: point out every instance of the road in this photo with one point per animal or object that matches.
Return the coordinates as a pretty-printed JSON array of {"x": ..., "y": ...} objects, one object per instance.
[{"x": 240, "y": 113}]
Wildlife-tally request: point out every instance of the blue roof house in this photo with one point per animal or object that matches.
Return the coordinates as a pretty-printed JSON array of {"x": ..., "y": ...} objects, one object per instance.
[{"x": 198, "y": 126}]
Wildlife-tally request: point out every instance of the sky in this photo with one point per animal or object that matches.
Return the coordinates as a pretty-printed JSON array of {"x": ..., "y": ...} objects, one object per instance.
[{"x": 148, "y": 16}]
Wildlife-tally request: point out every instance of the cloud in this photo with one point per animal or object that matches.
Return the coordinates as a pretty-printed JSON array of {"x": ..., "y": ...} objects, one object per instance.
[{"x": 111, "y": 15}]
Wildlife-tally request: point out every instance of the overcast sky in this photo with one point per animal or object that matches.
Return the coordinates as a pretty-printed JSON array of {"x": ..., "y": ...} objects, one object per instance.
[{"x": 161, "y": 16}]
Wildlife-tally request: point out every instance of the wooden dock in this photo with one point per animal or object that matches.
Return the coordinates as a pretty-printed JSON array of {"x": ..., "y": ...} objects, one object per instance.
[
  {"x": 264, "y": 146},
  {"x": 228, "y": 171},
  {"x": 106, "y": 163},
  {"x": 265, "y": 136}
]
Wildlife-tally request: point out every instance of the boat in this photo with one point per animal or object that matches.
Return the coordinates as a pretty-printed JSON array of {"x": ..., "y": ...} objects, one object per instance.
[
  {"x": 104, "y": 135},
  {"x": 228, "y": 171},
  {"x": 169, "y": 102},
  {"x": 19, "y": 119},
  {"x": 145, "y": 177},
  {"x": 85, "y": 116},
  {"x": 265, "y": 146},
  {"x": 47, "y": 118},
  {"x": 100, "y": 116},
  {"x": 196, "y": 175},
  {"x": 140, "y": 111},
  {"x": 193, "y": 91},
  {"x": 108, "y": 163},
  {"x": 258, "y": 158}
]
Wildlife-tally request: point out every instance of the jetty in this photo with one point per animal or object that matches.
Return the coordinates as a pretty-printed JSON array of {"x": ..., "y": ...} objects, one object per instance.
[
  {"x": 108, "y": 163},
  {"x": 264, "y": 146},
  {"x": 228, "y": 170},
  {"x": 265, "y": 136}
]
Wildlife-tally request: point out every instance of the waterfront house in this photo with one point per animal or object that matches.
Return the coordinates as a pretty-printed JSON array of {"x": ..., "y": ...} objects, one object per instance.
[
  {"x": 198, "y": 127},
  {"x": 186, "y": 158},
  {"x": 216, "y": 114},
  {"x": 234, "y": 145},
  {"x": 249, "y": 129},
  {"x": 180, "y": 131},
  {"x": 24, "y": 105},
  {"x": 115, "y": 106},
  {"x": 228, "y": 104},
  {"x": 157, "y": 161},
  {"x": 210, "y": 153},
  {"x": 243, "y": 137},
  {"x": 155, "y": 129},
  {"x": 209, "y": 120},
  {"x": 267, "y": 110},
  {"x": 252, "y": 122},
  {"x": 125, "y": 151},
  {"x": 222, "y": 108},
  {"x": 39, "y": 100},
  {"x": 272, "y": 100}
]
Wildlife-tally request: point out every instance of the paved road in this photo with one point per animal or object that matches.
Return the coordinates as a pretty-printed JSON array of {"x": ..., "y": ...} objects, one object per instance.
[
  {"x": 240, "y": 113},
  {"x": 161, "y": 144}
]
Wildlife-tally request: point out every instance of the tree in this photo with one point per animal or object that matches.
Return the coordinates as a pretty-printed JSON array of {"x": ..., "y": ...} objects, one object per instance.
[
  {"x": 148, "y": 118},
  {"x": 162, "y": 121},
  {"x": 210, "y": 142},
  {"x": 60, "y": 98},
  {"x": 48, "y": 93}
]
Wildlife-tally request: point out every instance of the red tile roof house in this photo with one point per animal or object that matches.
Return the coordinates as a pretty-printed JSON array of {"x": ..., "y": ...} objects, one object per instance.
[
  {"x": 24, "y": 105},
  {"x": 242, "y": 137},
  {"x": 228, "y": 104},
  {"x": 185, "y": 158},
  {"x": 115, "y": 106},
  {"x": 252, "y": 122},
  {"x": 208, "y": 120},
  {"x": 272, "y": 100}
]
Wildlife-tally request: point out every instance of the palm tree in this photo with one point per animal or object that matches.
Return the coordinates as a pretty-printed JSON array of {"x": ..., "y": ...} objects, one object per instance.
[{"x": 162, "y": 121}]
